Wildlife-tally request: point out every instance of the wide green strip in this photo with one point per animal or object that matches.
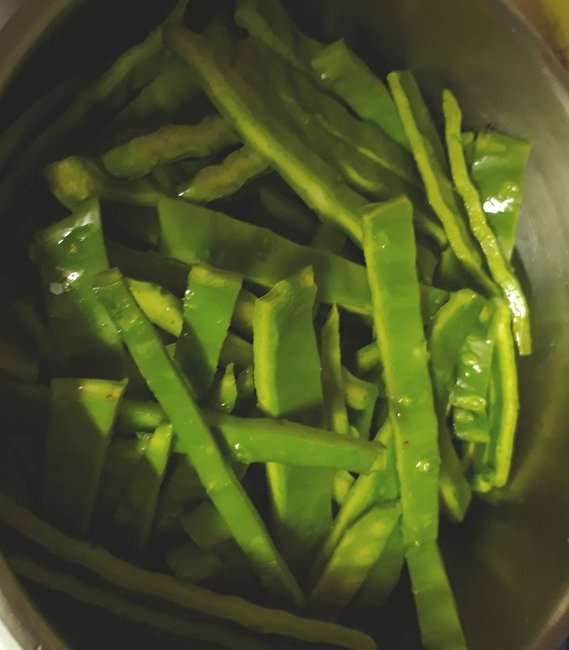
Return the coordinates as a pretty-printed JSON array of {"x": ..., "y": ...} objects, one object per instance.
[
  {"x": 436, "y": 607},
  {"x": 498, "y": 166},
  {"x": 288, "y": 383},
  {"x": 216, "y": 475},
  {"x": 134, "y": 516},
  {"x": 384, "y": 575},
  {"x": 249, "y": 440},
  {"x": 377, "y": 487},
  {"x": 189, "y": 597},
  {"x": 389, "y": 248},
  {"x": 357, "y": 551},
  {"x": 80, "y": 426},
  {"x": 335, "y": 411},
  {"x": 121, "y": 462},
  {"x": 258, "y": 440},
  {"x": 69, "y": 253},
  {"x": 196, "y": 235},
  {"x": 208, "y": 307}
]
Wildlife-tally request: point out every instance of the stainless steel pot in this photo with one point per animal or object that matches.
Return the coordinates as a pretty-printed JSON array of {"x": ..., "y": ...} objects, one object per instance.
[{"x": 509, "y": 564}]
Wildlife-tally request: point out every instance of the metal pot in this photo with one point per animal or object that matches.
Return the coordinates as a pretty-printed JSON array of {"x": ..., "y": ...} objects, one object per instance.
[{"x": 509, "y": 563}]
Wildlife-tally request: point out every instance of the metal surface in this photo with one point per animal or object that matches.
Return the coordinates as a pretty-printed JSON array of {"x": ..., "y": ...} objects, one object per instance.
[{"x": 509, "y": 564}]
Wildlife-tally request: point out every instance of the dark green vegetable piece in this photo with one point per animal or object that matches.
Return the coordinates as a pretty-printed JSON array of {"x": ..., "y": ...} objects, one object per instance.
[
  {"x": 182, "y": 488},
  {"x": 357, "y": 551},
  {"x": 17, "y": 135},
  {"x": 287, "y": 378},
  {"x": 27, "y": 313},
  {"x": 330, "y": 128},
  {"x": 215, "y": 474},
  {"x": 224, "y": 179},
  {"x": 469, "y": 395},
  {"x": 78, "y": 114},
  {"x": 69, "y": 253},
  {"x": 432, "y": 299},
  {"x": 149, "y": 266},
  {"x": 135, "y": 415},
  {"x": 129, "y": 611},
  {"x": 80, "y": 428},
  {"x": 237, "y": 351},
  {"x": 246, "y": 392},
  {"x": 76, "y": 178},
  {"x": 498, "y": 165},
  {"x": 205, "y": 526},
  {"x": 166, "y": 97},
  {"x": 18, "y": 359},
  {"x": 431, "y": 161},
  {"x": 283, "y": 206},
  {"x": 352, "y": 80},
  {"x": 190, "y": 562},
  {"x": 312, "y": 178},
  {"x": 335, "y": 411},
  {"x": 172, "y": 142},
  {"x": 242, "y": 321},
  {"x": 190, "y": 598},
  {"x": 452, "y": 325},
  {"x": 208, "y": 308},
  {"x": 436, "y": 608},
  {"x": 133, "y": 518},
  {"x": 224, "y": 395},
  {"x": 268, "y": 21},
  {"x": 379, "y": 486},
  {"x": 121, "y": 461},
  {"x": 500, "y": 269},
  {"x": 454, "y": 322},
  {"x": 389, "y": 249},
  {"x": 249, "y": 440},
  {"x": 23, "y": 407},
  {"x": 196, "y": 235},
  {"x": 493, "y": 462},
  {"x": 328, "y": 239}
]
